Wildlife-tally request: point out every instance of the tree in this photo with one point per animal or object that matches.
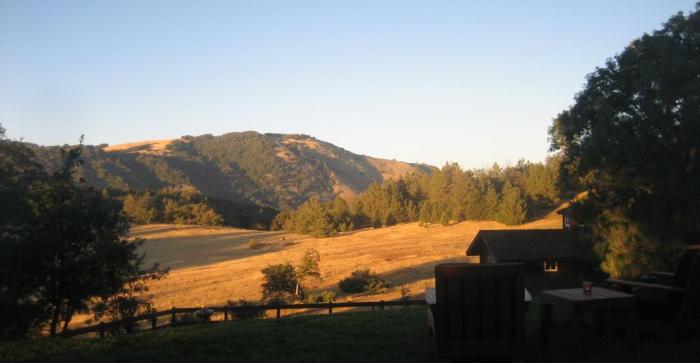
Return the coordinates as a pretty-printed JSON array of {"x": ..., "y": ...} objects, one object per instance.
[
  {"x": 66, "y": 244},
  {"x": 631, "y": 138},
  {"x": 84, "y": 251},
  {"x": 141, "y": 209},
  {"x": 19, "y": 174},
  {"x": 279, "y": 281},
  {"x": 490, "y": 203},
  {"x": 513, "y": 207},
  {"x": 309, "y": 265},
  {"x": 130, "y": 301},
  {"x": 540, "y": 182},
  {"x": 308, "y": 268}
]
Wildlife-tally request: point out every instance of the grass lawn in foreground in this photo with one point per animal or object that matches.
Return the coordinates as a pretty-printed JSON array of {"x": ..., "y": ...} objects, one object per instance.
[{"x": 396, "y": 335}]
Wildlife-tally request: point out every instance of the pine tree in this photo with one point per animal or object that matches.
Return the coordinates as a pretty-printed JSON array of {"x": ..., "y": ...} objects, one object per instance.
[
  {"x": 490, "y": 204},
  {"x": 513, "y": 207}
]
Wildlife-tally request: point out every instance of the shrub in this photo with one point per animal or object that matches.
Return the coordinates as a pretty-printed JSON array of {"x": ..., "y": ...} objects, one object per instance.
[
  {"x": 251, "y": 313},
  {"x": 308, "y": 267},
  {"x": 255, "y": 244},
  {"x": 362, "y": 281},
  {"x": 322, "y": 297},
  {"x": 279, "y": 281}
]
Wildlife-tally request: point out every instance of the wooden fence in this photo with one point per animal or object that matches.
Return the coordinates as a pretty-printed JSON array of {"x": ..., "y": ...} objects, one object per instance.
[{"x": 229, "y": 312}]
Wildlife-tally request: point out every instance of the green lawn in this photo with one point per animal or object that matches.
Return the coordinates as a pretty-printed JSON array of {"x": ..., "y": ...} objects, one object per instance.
[{"x": 397, "y": 335}]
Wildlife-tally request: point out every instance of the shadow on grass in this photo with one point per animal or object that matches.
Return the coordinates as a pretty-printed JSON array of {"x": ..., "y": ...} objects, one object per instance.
[
  {"x": 398, "y": 334},
  {"x": 196, "y": 251}
]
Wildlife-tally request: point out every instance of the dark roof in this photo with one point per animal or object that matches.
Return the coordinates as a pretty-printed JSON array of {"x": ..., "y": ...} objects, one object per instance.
[{"x": 526, "y": 244}]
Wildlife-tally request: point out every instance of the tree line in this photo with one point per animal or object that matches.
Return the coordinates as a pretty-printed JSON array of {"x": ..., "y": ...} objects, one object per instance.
[
  {"x": 184, "y": 205},
  {"x": 509, "y": 195},
  {"x": 187, "y": 205}
]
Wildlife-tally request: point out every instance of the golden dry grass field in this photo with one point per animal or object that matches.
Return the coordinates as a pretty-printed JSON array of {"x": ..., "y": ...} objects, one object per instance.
[{"x": 212, "y": 265}]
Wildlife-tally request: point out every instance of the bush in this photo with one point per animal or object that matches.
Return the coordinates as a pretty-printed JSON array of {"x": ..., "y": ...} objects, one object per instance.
[
  {"x": 255, "y": 244},
  {"x": 362, "y": 281},
  {"x": 246, "y": 314},
  {"x": 323, "y": 297},
  {"x": 280, "y": 281}
]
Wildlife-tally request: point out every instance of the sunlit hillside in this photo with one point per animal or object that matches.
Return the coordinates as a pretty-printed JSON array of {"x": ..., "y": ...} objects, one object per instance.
[{"x": 212, "y": 265}]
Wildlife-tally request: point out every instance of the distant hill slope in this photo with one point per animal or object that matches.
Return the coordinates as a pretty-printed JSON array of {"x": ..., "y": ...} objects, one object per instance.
[{"x": 271, "y": 170}]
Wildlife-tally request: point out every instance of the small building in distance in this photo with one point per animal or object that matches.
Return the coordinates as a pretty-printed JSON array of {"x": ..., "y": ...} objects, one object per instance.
[{"x": 553, "y": 258}]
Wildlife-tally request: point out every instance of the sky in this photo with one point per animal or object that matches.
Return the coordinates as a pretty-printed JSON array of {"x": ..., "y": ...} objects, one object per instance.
[{"x": 473, "y": 82}]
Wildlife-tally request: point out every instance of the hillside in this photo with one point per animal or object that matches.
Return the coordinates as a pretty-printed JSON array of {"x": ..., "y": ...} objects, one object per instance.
[
  {"x": 212, "y": 265},
  {"x": 267, "y": 170}
]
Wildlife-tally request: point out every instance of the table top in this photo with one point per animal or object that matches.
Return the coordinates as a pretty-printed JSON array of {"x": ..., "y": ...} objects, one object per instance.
[
  {"x": 430, "y": 296},
  {"x": 598, "y": 298}
]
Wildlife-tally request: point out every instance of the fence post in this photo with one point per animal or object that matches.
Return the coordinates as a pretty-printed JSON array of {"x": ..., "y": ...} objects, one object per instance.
[
  {"x": 278, "y": 310},
  {"x": 381, "y": 304},
  {"x": 330, "y": 308},
  {"x": 172, "y": 316},
  {"x": 225, "y": 313},
  {"x": 102, "y": 330},
  {"x": 154, "y": 321}
]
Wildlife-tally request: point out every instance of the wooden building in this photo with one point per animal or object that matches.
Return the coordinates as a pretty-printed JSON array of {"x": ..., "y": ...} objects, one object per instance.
[{"x": 553, "y": 258}]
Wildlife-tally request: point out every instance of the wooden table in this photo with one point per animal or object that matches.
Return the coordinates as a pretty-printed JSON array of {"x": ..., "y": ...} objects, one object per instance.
[{"x": 599, "y": 301}]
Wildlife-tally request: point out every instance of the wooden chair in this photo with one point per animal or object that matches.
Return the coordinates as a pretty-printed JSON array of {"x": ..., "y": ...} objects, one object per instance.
[
  {"x": 479, "y": 310},
  {"x": 669, "y": 311}
]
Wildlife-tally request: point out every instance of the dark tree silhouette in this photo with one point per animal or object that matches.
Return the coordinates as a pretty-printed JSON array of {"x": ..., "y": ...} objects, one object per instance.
[
  {"x": 632, "y": 140},
  {"x": 63, "y": 243}
]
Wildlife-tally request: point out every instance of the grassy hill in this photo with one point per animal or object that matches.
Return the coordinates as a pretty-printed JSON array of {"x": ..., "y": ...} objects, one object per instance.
[
  {"x": 268, "y": 170},
  {"x": 211, "y": 265}
]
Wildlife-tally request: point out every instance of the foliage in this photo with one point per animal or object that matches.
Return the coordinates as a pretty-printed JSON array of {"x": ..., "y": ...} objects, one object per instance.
[
  {"x": 309, "y": 265},
  {"x": 130, "y": 301},
  {"x": 627, "y": 251},
  {"x": 254, "y": 244},
  {"x": 362, "y": 281},
  {"x": 170, "y": 205},
  {"x": 449, "y": 194},
  {"x": 279, "y": 281},
  {"x": 323, "y": 297},
  {"x": 512, "y": 208},
  {"x": 389, "y": 203},
  {"x": 63, "y": 242},
  {"x": 251, "y": 313},
  {"x": 244, "y": 171},
  {"x": 631, "y": 140},
  {"x": 317, "y": 219},
  {"x": 19, "y": 174}
]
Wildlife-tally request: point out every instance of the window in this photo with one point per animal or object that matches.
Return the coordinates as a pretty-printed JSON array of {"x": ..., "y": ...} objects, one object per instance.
[
  {"x": 567, "y": 222},
  {"x": 550, "y": 266}
]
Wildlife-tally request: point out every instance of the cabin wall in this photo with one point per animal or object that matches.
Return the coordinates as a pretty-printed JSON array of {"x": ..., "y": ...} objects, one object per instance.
[
  {"x": 482, "y": 252},
  {"x": 570, "y": 274}
]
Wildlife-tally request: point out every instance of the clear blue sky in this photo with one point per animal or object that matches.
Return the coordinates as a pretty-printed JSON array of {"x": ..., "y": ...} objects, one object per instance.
[{"x": 475, "y": 82}]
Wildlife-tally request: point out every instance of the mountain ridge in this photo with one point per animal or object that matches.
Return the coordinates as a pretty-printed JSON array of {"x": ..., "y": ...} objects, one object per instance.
[{"x": 269, "y": 170}]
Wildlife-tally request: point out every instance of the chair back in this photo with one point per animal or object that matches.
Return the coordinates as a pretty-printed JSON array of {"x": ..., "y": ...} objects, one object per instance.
[
  {"x": 682, "y": 273},
  {"x": 479, "y": 308},
  {"x": 689, "y": 307}
]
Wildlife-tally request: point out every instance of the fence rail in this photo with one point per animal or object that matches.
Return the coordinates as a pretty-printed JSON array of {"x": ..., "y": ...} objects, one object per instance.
[{"x": 230, "y": 311}]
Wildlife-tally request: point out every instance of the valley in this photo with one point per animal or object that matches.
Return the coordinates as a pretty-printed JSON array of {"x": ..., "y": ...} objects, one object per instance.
[{"x": 210, "y": 265}]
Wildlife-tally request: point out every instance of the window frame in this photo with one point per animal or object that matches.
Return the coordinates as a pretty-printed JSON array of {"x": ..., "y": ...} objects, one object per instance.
[{"x": 547, "y": 265}]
